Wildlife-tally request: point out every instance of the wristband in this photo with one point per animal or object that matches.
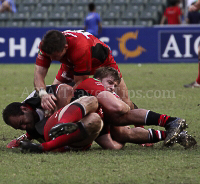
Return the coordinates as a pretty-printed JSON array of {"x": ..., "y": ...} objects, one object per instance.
[{"x": 42, "y": 92}]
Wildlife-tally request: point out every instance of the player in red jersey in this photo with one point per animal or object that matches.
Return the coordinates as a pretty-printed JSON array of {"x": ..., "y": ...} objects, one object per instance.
[
  {"x": 80, "y": 54},
  {"x": 172, "y": 14}
]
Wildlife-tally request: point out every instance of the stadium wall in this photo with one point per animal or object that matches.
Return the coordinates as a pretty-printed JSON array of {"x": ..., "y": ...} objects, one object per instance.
[{"x": 166, "y": 44}]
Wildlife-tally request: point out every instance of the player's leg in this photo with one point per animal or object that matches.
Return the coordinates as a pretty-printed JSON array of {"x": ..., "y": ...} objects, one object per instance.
[
  {"x": 87, "y": 130},
  {"x": 63, "y": 121},
  {"x": 173, "y": 125},
  {"x": 93, "y": 125},
  {"x": 64, "y": 94},
  {"x": 198, "y": 77},
  {"x": 195, "y": 84},
  {"x": 118, "y": 114},
  {"x": 137, "y": 135}
]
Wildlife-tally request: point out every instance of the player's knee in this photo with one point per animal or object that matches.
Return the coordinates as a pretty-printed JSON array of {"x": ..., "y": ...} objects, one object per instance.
[
  {"x": 64, "y": 91},
  {"x": 90, "y": 103},
  {"x": 93, "y": 124},
  {"x": 94, "y": 102}
]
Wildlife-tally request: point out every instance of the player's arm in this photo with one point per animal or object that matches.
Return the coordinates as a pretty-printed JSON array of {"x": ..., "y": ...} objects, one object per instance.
[
  {"x": 111, "y": 104},
  {"x": 56, "y": 81},
  {"x": 195, "y": 6},
  {"x": 99, "y": 28},
  {"x": 39, "y": 76},
  {"x": 163, "y": 20},
  {"x": 47, "y": 100}
]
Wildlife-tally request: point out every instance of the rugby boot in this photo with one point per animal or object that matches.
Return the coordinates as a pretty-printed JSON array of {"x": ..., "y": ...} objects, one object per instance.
[
  {"x": 173, "y": 128},
  {"x": 192, "y": 85},
  {"x": 185, "y": 140},
  {"x": 62, "y": 128},
  {"x": 27, "y": 146}
]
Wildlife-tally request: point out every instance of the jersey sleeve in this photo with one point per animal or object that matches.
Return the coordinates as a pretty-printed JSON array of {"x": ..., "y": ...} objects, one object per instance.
[
  {"x": 42, "y": 59},
  {"x": 91, "y": 86}
]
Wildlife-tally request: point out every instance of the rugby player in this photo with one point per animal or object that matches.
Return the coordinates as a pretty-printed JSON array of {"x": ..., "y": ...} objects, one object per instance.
[{"x": 80, "y": 54}]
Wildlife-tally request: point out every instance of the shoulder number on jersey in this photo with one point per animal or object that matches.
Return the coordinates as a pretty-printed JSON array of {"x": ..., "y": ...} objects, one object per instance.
[{"x": 84, "y": 33}]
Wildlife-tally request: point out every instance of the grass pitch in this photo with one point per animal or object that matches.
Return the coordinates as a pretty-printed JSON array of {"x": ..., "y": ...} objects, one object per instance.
[{"x": 158, "y": 87}]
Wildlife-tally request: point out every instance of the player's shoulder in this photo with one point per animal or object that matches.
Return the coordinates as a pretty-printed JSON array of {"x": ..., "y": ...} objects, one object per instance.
[{"x": 91, "y": 83}]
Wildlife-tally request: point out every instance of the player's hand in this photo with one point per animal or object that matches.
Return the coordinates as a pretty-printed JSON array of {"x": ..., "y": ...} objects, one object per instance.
[
  {"x": 48, "y": 102},
  {"x": 193, "y": 8},
  {"x": 27, "y": 146}
]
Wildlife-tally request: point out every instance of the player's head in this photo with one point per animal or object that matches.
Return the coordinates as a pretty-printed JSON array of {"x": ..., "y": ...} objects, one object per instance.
[
  {"x": 173, "y": 2},
  {"x": 54, "y": 44},
  {"x": 19, "y": 116},
  {"x": 108, "y": 76},
  {"x": 91, "y": 7}
]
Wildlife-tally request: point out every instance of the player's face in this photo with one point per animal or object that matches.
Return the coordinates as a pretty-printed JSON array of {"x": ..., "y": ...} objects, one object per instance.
[
  {"x": 109, "y": 83},
  {"x": 57, "y": 56},
  {"x": 23, "y": 122}
]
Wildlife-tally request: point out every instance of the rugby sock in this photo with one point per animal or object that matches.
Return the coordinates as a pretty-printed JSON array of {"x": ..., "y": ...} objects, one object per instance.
[
  {"x": 74, "y": 113},
  {"x": 198, "y": 78},
  {"x": 156, "y": 135},
  {"x": 66, "y": 139},
  {"x": 162, "y": 120}
]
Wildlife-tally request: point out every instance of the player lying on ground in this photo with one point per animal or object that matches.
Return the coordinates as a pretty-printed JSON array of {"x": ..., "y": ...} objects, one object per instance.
[
  {"x": 82, "y": 133},
  {"x": 30, "y": 116},
  {"x": 132, "y": 135},
  {"x": 78, "y": 136}
]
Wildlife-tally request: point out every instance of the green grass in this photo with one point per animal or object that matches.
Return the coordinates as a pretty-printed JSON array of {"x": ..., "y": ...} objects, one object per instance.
[{"x": 133, "y": 164}]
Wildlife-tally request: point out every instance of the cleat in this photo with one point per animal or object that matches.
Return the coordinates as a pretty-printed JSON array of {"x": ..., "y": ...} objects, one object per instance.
[
  {"x": 192, "y": 85},
  {"x": 173, "y": 129},
  {"x": 62, "y": 128},
  {"x": 185, "y": 140},
  {"x": 27, "y": 146}
]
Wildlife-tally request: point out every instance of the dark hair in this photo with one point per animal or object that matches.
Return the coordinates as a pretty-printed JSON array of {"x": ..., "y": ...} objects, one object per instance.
[
  {"x": 53, "y": 41},
  {"x": 103, "y": 72},
  {"x": 12, "y": 109},
  {"x": 91, "y": 7},
  {"x": 173, "y": 2}
]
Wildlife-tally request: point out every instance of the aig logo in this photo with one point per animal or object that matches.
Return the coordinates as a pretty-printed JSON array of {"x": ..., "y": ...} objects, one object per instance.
[
  {"x": 178, "y": 45},
  {"x": 124, "y": 50}
]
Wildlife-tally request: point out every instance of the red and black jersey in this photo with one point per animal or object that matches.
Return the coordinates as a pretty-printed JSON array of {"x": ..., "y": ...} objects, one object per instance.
[{"x": 84, "y": 55}]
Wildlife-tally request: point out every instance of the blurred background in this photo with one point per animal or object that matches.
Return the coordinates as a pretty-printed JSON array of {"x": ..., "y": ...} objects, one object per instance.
[{"x": 132, "y": 28}]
